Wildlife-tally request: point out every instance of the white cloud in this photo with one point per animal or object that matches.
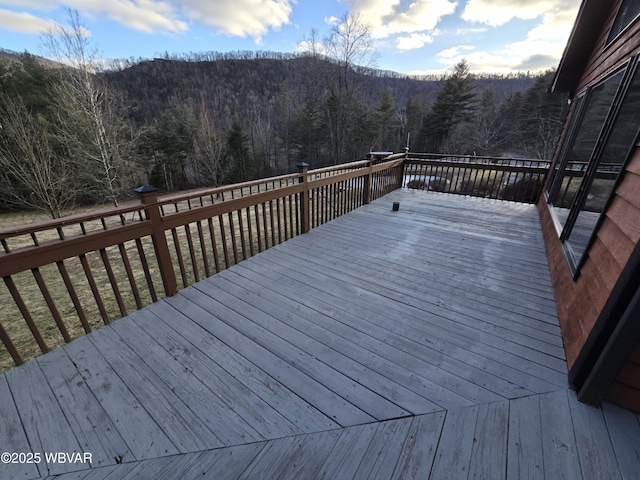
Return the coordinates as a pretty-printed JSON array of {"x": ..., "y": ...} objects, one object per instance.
[
  {"x": 240, "y": 17},
  {"x": 541, "y": 47},
  {"x": 22, "y": 22},
  {"x": 147, "y": 16},
  {"x": 510, "y": 59},
  {"x": 499, "y": 12},
  {"x": 331, "y": 20},
  {"x": 454, "y": 54},
  {"x": 413, "y": 41},
  {"x": 236, "y": 18},
  {"x": 390, "y": 17}
]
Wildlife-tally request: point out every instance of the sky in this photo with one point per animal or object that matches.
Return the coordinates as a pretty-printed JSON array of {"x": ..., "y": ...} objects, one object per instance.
[{"x": 410, "y": 36}]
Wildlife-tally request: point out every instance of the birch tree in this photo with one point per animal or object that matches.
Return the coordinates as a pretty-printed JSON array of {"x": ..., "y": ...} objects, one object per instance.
[{"x": 90, "y": 116}]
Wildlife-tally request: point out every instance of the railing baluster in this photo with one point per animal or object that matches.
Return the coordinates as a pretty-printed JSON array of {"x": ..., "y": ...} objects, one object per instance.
[
  {"x": 25, "y": 314},
  {"x": 192, "y": 252},
  {"x": 234, "y": 242},
  {"x": 265, "y": 226},
  {"x": 223, "y": 239},
  {"x": 203, "y": 249},
  {"x": 176, "y": 246},
  {"x": 214, "y": 244},
  {"x": 242, "y": 234},
  {"x": 271, "y": 223},
  {"x": 250, "y": 231},
  {"x": 279, "y": 220},
  {"x": 74, "y": 296},
  {"x": 10, "y": 346},
  {"x": 256, "y": 212},
  {"x": 94, "y": 288},
  {"x": 147, "y": 272},
  {"x": 130, "y": 275},
  {"x": 112, "y": 279},
  {"x": 51, "y": 304}
]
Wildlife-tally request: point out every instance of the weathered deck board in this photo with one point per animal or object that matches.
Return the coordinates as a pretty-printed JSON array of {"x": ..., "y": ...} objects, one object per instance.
[
  {"x": 42, "y": 417},
  {"x": 13, "y": 436},
  {"x": 409, "y": 333},
  {"x": 454, "y": 299},
  {"x": 397, "y": 363},
  {"x": 370, "y": 296},
  {"x": 413, "y": 344},
  {"x": 282, "y": 399},
  {"x": 95, "y": 431},
  {"x": 138, "y": 428}
]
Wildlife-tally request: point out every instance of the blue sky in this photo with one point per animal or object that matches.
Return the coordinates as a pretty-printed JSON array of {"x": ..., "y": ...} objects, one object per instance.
[{"x": 410, "y": 36}]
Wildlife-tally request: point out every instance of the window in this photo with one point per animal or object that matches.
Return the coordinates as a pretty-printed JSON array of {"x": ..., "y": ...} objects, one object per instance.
[
  {"x": 628, "y": 13},
  {"x": 601, "y": 133}
]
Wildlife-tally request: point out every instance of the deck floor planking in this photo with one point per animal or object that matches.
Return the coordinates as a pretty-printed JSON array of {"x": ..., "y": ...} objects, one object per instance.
[{"x": 412, "y": 344}]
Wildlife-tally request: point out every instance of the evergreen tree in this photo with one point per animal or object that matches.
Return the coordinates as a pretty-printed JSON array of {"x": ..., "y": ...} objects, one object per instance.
[
  {"x": 386, "y": 122},
  {"x": 416, "y": 113},
  {"x": 308, "y": 134},
  {"x": 238, "y": 153},
  {"x": 168, "y": 146},
  {"x": 541, "y": 116},
  {"x": 454, "y": 105},
  {"x": 486, "y": 131}
]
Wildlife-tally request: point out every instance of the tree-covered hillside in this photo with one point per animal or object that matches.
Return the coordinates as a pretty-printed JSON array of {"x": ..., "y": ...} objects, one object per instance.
[{"x": 207, "y": 119}]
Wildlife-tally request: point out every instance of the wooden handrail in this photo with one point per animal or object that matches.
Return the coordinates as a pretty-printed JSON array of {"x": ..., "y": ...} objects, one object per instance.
[
  {"x": 90, "y": 268},
  {"x": 68, "y": 276}
]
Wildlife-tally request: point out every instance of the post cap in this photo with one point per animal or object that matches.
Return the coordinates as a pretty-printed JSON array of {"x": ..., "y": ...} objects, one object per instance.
[
  {"x": 302, "y": 165},
  {"x": 145, "y": 189}
]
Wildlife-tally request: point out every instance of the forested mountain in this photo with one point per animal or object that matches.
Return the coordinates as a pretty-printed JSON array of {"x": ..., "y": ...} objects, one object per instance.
[{"x": 212, "y": 118}]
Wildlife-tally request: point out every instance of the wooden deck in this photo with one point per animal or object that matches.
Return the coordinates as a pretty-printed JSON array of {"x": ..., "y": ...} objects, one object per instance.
[{"x": 421, "y": 343}]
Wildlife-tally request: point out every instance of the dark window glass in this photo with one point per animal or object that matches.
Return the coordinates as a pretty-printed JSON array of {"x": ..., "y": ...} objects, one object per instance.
[
  {"x": 568, "y": 180},
  {"x": 605, "y": 172},
  {"x": 570, "y": 131},
  {"x": 628, "y": 13}
]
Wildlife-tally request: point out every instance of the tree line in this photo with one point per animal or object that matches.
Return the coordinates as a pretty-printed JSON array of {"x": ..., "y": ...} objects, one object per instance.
[{"x": 80, "y": 133}]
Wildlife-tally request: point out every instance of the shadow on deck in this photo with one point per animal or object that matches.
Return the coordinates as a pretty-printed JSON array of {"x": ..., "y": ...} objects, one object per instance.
[{"x": 421, "y": 343}]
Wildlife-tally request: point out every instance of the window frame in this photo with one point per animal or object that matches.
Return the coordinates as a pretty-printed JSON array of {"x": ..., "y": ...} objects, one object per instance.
[
  {"x": 616, "y": 30},
  {"x": 576, "y": 122}
]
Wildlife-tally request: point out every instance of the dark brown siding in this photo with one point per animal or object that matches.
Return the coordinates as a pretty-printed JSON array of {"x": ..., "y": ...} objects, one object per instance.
[
  {"x": 605, "y": 60},
  {"x": 581, "y": 301},
  {"x": 626, "y": 388}
]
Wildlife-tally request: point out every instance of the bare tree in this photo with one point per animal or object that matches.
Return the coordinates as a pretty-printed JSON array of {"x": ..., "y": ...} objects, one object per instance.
[
  {"x": 91, "y": 118},
  {"x": 349, "y": 44},
  {"x": 207, "y": 166},
  {"x": 32, "y": 175}
]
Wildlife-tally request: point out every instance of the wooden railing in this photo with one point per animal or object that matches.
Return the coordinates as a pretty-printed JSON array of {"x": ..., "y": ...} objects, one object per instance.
[
  {"x": 519, "y": 180},
  {"x": 66, "y": 277}
]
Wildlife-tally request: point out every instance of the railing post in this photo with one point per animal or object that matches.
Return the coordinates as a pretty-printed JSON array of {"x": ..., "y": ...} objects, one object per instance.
[
  {"x": 402, "y": 167},
  {"x": 149, "y": 198},
  {"x": 305, "y": 214},
  {"x": 366, "y": 193}
]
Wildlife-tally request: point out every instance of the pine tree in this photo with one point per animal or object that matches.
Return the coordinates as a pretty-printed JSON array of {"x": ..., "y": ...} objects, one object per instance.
[
  {"x": 386, "y": 122},
  {"x": 238, "y": 153},
  {"x": 454, "y": 105}
]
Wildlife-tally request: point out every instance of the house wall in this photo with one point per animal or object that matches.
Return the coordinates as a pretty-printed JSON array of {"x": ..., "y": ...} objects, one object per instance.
[{"x": 581, "y": 301}]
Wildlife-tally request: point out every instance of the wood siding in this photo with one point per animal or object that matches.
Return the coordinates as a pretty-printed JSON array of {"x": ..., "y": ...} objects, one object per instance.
[
  {"x": 606, "y": 58},
  {"x": 580, "y": 302}
]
